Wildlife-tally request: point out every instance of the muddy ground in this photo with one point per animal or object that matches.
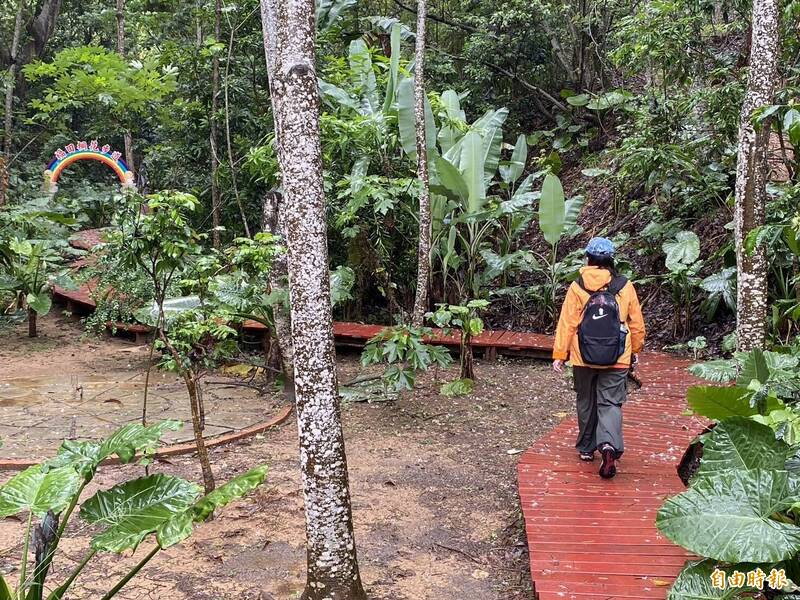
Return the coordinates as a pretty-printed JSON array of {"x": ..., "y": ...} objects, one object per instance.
[{"x": 432, "y": 480}]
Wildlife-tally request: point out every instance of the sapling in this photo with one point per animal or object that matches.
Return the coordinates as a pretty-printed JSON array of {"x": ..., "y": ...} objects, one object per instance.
[
  {"x": 195, "y": 342},
  {"x": 466, "y": 320},
  {"x": 157, "y": 507}
]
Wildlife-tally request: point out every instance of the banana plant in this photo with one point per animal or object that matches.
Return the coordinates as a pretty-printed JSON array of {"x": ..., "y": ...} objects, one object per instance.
[
  {"x": 157, "y": 507},
  {"x": 29, "y": 271},
  {"x": 557, "y": 219}
]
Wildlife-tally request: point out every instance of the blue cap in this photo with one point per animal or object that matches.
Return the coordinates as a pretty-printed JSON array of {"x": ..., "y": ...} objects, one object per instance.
[{"x": 600, "y": 247}]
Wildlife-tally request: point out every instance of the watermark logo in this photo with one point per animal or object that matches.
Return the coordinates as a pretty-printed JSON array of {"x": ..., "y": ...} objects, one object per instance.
[{"x": 756, "y": 578}]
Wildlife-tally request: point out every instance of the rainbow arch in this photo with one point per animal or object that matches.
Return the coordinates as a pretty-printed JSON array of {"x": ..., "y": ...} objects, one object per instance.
[{"x": 72, "y": 153}]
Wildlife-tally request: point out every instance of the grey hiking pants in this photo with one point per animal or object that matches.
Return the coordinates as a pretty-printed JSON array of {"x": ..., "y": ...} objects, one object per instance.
[{"x": 600, "y": 395}]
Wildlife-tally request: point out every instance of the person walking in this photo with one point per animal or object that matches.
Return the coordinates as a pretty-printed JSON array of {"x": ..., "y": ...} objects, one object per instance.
[{"x": 600, "y": 332}]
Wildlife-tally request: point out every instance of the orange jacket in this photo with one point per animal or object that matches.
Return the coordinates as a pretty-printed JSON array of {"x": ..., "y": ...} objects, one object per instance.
[{"x": 630, "y": 312}]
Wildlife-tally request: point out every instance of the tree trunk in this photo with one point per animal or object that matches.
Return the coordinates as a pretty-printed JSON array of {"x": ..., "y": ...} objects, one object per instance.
[
  {"x": 424, "y": 246},
  {"x": 190, "y": 379},
  {"x": 121, "y": 51},
  {"x": 32, "y": 315},
  {"x": 215, "y": 194},
  {"x": 751, "y": 177},
  {"x": 8, "y": 122},
  {"x": 467, "y": 360},
  {"x": 278, "y": 277},
  {"x": 289, "y": 43}
]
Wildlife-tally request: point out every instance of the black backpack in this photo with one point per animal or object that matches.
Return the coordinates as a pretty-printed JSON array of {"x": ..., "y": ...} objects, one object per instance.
[{"x": 601, "y": 334}]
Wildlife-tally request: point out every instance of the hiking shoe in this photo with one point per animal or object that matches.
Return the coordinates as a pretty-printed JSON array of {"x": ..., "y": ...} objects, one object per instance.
[
  {"x": 586, "y": 456},
  {"x": 608, "y": 467}
]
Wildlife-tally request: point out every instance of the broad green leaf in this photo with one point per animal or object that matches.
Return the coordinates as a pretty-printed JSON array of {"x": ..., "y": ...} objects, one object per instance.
[
  {"x": 572, "y": 209},
  {"x": 41, "y": 302},
  {"x": 741, "y": 443},
  {"x": 552, "y": 209},
  {"x": 716, "y": 371},
  {"x": 38, "y": 491},
  {"x": 519, "y": 157},
  {"x": 5, "y": 591},
  {"x": 727, "y": 516},
  {"x": 180, "y": 526},
  {"x": 578, "y": 100},
  {"x": 337, "y": 95},
  {"x": 329, "y": 10},
  {"x": 595, "y": 172},
  {"x": 132, "y": 438},
  {"x": 449, "y": 134},
  {"x": 406, "y": 120},
  {"x": 471, "y": 167},
  {"x": 125, "y": 442},
  {"x": 754, "y": 368},
  {"x": 723, "y": 284},
  {"x": 394, "y": 69},
  {"x": 722, "y": 402},
  {"x": 608, "y": 100},
  {"x": 459, "y": 387},
  {"x": 694, "y": 582},
  {"x": 450, "y": 177},
  {"x": 790, "y": 235},
  {"x": 363, "y": 75},
  {"x": 132, "y": 510},
  {"x": 682, "y": 251}
]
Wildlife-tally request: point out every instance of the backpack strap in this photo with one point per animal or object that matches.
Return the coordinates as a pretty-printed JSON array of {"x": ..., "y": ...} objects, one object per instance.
[{"x": 616, "y": 285}]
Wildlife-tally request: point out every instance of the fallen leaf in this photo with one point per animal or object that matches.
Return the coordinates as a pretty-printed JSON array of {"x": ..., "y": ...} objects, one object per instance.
[
  {"x": 479, "y": 574},
  {"x": 561, "y": 415},
  {"x": 240, "y": 369}
]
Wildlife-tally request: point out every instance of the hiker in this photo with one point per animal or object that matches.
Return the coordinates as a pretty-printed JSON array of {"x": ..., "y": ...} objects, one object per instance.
[{"x": 600, "y": 331}]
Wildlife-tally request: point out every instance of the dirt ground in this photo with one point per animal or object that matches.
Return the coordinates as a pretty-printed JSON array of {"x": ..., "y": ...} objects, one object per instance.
[{"x": 432, "y": 480}]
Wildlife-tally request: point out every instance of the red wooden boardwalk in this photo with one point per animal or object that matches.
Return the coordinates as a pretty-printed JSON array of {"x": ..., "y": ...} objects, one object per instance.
[
  {"x": 592, "y": 539},
  {"x": 348, "y": 334}
]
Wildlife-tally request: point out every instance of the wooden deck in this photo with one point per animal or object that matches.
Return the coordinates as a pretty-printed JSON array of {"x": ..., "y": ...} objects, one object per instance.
[
  {"x": 592, "y": 539},
  {"x": 80, "y": 301}
]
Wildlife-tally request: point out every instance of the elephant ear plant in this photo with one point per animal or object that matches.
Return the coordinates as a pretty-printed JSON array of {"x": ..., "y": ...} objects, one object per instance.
[
  {"x": 742, "y": 508},
  {"x": 157, "y": 506}
]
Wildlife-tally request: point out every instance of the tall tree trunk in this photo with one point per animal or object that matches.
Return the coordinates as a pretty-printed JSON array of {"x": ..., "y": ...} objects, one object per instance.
[
  {"x": 289, "y": 43},
  {"x": 278, "y": 278},
  {"x": 8, "y": 122},
  {"x": 751, "y": 177},
  {"x": 215, "y": 194},
  {"x": 121, "y": 52},
  {"x": 424, "y": 246}
]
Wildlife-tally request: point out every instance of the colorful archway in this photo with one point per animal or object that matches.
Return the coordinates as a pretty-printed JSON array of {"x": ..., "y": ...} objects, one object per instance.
[{"x": 64, "y": 157}]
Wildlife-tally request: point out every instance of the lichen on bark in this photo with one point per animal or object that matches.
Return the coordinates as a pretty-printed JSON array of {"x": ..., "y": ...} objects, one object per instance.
[
  {"x": 751, "y": 177},
  {"x": 289, "y": 37}
]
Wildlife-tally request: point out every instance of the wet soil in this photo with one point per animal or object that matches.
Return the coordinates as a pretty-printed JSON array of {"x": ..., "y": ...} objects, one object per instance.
[{"x": 433, "y": 485}]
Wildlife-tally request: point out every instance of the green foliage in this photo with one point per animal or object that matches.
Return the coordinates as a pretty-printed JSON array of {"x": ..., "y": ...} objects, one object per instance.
[
  {"x": 404, "y": 353},
  {"x": 28, "y": 271},
  {"x": 197, "y": 341},
  {"x": 91, "y": 74},
  {"x": 727, "y": 516},
  {"x": 457, "y": 387},
  {"x": 465, "y": 319},
  {"x": 124, "y": 515}
]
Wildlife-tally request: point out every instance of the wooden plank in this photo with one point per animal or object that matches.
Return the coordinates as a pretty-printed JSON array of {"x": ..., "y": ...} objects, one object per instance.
[{"x": 590, "y": 538}]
